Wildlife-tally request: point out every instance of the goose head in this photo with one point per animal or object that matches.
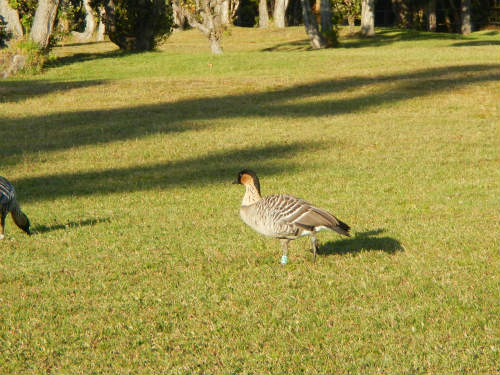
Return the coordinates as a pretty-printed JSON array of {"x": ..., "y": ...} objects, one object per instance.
[
  {"x": 248, "y": 177},
  {"x": 21, "y": 221}
]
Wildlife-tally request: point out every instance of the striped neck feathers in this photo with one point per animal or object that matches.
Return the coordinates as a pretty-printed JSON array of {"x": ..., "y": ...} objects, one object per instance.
[{"x": 252, "y": 195}]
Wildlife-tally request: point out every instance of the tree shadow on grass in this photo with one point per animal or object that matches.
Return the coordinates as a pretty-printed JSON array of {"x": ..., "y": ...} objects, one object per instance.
[
  {"x": 384, "y": 36},
  {"x": 477, "y": 43},
  {"x": 388, "y": 36},
  {"x": 362, "y": 241},
  {"x": 86, "y": 56},
  {"x": 15, "y": 91},
  {"x": 296, "y": 45},
  {"x": 65, "y": 130},
  {"x": 70, "y": 224},
  {"x": 76, "y": 44},
  {"x": 212, "y": 168}
]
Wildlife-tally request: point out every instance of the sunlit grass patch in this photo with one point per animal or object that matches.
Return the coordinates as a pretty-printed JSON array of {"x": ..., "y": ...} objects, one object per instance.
[{"x": 139, "y": 261}]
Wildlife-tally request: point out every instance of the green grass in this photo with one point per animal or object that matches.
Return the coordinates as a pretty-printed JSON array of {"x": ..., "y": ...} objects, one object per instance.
[{"x": 140, "y": 262}]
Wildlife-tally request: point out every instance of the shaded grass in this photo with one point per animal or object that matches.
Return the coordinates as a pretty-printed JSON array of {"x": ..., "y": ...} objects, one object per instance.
[
  {"x": 140, "y": 262},
  {"x": 185, "y": 173},
  {"x": 71, "y": 129}
]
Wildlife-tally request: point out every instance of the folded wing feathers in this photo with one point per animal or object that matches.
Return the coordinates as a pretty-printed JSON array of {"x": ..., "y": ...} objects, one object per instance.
[
  {"x": 7, "y": 192},
  {"x": 293, "y": 211}
]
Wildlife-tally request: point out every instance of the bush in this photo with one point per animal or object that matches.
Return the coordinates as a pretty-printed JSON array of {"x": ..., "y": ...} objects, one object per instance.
[
  {"x": 248, "y": 13},
  {"x": 35, "y": 57},
  {"x": 139, "y": 25}
]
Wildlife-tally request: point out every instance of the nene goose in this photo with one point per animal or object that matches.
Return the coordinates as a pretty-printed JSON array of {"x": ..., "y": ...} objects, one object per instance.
[
  {"x": 283, "y": 216},
  {"x": 8, "y": 203}
]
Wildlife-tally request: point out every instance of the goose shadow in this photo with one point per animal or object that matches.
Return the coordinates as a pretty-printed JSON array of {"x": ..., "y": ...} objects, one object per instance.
[
  {"x": 38, "y": 229},
  {"x": 362, "y": 241}
]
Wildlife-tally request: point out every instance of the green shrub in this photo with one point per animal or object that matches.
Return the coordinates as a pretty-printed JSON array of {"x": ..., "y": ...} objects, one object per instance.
[
  {"x": 248, "y": 13},
  {"x": 35, "y": 57},
  {"x": 345, "y": 9},
  {"x": 139, "y": 25}
]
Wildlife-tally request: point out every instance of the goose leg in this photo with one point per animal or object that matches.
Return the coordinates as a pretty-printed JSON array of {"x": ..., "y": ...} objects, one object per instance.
[
  {"x": 2, "y": 224},
  {"x": 284, "y": 247},
  {"x": 314, "y": 241}
]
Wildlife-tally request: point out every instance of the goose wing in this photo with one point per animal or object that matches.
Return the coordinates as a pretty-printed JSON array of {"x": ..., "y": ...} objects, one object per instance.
[
  {"x": 7, "y": 192},
  {"x": 297, "y": 212}
]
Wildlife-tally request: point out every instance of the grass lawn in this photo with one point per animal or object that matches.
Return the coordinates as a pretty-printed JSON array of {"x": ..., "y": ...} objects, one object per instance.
[{"x": 140, "y": 262}]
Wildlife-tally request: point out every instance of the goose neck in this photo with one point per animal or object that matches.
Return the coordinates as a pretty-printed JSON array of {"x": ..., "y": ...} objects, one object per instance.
[{"x": 251, "y": 196}]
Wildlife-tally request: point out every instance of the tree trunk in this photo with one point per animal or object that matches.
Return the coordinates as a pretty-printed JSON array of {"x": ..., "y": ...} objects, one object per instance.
[
  {"x": 224, "y": 14},
  {"x": 179, "y": 16},
  {"x": 101, "y": 29},
  {"x": 311, "y": 26},
  {"x": 368, "y": 18},
  {"x": 215, "y": 44},
  {"x": 279, "y": 13},
  {"x": 263, "y": 14},
  {"x": 431, "y": 16},
  {"x": 109, "y": 17},
  {"x": 466, "y": 27},
  {"x": 350, "y": 22},
  {"x": 11, "y": 18},
  {"x": 326, "y": 16},
  {"x": 316, "y": 11},
  {"x": 43, "y": 22},
  {"x": 399, "y": 10},
  {"x": 212, "y": 18},
  {"x": 209, "y": 12},
  {"x": 89, "y": 24},
  {"x": 233, "y": 9},
  {"x": 452, "y": 17}
]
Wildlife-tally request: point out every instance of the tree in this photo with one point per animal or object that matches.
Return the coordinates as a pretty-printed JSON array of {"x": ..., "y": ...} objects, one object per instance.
[
  {"x": 224, "y": 13},
  {"x": 234, "y": 5},
  {"x": 136, "y": 25},
  {"x": 228, "y": 11},
  {"x": 10, "y": 17},
  {"x": 101, "y": 29},
  {"x": 400, "y": 9},
  {"x": 263, "y": 14},
  {"x": 368, "y": 18},
  {"x": 204, "y": 15},
  {"x": 326, "y": 16},
  {"x": 431, "y": 16},
  {"x": 43, "y": 22},
  {"x": 311, "y": 26},
  {"x": 465, "y": 17},
  {"x": 350, "y": 9},
  {"x": 180, "y": 20},
  {"x": 279, "y": 13},
  {"x": 89, "y": 23}
]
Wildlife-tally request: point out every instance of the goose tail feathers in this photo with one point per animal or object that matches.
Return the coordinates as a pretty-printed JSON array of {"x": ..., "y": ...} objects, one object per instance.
[{"x": 342, "y": 228}]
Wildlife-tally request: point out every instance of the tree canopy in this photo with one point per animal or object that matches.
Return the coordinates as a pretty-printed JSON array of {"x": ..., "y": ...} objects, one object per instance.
[{"x": 139, "y": 25}]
